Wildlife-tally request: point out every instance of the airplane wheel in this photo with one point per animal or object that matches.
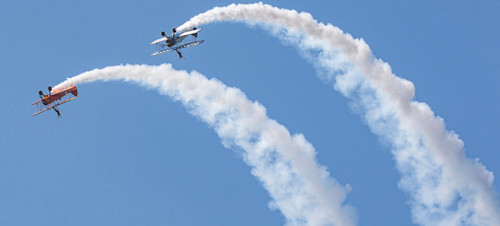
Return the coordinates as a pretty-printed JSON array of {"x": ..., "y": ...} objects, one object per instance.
[
  {"x": 50, "y": 88},
  {"x": 40, "y": 92}
]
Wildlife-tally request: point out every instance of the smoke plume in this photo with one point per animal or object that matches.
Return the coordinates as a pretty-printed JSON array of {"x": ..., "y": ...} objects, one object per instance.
[
  {"x": 285, "y": 164},
  {"x": 445, "y": 187}
]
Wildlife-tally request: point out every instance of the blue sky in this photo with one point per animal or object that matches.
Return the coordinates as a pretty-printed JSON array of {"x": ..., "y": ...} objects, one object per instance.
[{"x": 125, "y": 155}]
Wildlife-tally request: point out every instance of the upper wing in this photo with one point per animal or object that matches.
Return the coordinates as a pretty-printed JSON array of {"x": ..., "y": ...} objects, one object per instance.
[
  {"x": 186, "y": 33},
  {"x": 160, "y": 52},
  {"x": 159, "y": 40},
  {"x": 178, "y": 47},
  {"x": 188, "y": 44},
  {"x": 53, "y": 106},
  {"x": 45, "y": 109}
]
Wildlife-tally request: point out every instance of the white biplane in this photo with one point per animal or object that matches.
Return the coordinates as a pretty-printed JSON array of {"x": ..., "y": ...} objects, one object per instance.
[{"x": 176, "y": 41}]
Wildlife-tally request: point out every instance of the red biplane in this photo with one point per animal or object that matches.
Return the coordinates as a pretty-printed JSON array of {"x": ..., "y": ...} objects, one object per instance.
[{"x": 54, "y": 99}]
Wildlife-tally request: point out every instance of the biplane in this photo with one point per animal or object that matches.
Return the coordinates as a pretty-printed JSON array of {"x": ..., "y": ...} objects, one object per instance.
[
  {"x": 176, "y": 41},
  {"x": 54, "y": 98}
]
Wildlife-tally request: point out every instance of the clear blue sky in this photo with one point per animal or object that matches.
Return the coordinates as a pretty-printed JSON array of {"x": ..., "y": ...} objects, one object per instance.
[{"x": 124, "y": 155}]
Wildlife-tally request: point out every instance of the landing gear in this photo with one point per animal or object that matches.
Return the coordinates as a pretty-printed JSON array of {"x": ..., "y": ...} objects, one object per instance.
[{"x": 40, "y": 93}]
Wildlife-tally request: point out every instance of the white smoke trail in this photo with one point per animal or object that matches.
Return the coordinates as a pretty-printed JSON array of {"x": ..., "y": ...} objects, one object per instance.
[
  {"x": 286, "y": 164},
  {"x": 446, "y": 188}
]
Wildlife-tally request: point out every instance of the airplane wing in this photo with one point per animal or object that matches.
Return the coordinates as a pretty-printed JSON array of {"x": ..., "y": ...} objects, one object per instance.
[
  {"x": 159, "y": 40},
  {"x": 46, "y": 109},
  {"x": 161, "y": 52},
  {"x": 36, "y": 102},
  {"x": 178, "y": 47},
  {"x": 53, "y": 106},
  {"x": 189, "y": 44},
  {"x": 186, "y": 33}
]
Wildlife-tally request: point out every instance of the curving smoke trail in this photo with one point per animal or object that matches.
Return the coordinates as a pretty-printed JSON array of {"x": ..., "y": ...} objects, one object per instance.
[
  {"x": 445, "y": 187},
  {"x": 285, "y": 164}
]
